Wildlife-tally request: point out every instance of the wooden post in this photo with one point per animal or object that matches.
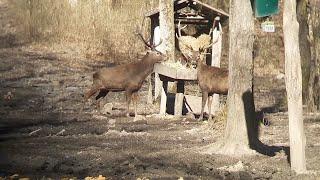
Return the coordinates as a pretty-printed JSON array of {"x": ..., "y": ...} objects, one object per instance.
[
  {"x": 163, "y": 101},
  {"x": 155, "y": 39},
  {"x": 178, "y": 103},
  {"x": 158, "y": 85},
  {"x": 293, "y": 77},
  {"x": 150, "y": 98},
  {"x": 216, "y": 56}
]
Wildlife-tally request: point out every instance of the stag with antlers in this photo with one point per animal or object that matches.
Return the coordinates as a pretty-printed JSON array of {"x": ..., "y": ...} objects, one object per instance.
[{"x": 126, "y": 77}]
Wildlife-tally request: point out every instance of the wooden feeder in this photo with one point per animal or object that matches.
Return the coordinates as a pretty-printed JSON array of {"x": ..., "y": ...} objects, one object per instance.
[{"x": 163, "y": 26}]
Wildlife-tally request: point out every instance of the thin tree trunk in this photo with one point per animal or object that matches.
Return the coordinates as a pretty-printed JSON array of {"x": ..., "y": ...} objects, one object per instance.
[{"x": 293, "y": 78}]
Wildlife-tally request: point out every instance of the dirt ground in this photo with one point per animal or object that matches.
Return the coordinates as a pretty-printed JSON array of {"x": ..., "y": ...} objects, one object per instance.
[{"x": 44, "y": 135}]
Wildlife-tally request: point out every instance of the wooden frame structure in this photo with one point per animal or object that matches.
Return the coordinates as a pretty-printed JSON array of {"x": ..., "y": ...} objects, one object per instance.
[{"x": 202, "y": 14}]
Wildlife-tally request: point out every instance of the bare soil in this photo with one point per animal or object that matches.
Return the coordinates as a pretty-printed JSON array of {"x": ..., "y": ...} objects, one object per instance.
[{"x": 44, "y": 135}]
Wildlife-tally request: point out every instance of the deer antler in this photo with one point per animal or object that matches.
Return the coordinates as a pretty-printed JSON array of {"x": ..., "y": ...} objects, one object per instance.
[
  {"x": 151, "y": 46},
  {"x": 143, "y": 40},
  {"x": 178, "y": 35}
]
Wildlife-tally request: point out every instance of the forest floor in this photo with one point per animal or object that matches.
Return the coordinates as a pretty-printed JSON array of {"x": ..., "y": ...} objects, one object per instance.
[{"x": 43, "y": 134}]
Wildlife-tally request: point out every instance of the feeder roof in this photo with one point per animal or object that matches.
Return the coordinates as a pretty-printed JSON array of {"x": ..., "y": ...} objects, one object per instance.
[{"x": 193, "y": 4}]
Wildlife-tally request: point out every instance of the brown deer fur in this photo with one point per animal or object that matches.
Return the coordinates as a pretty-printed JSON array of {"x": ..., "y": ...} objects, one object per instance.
[
  {"x": 212, "y": 80},
  {"x": 127, "y": 77}
]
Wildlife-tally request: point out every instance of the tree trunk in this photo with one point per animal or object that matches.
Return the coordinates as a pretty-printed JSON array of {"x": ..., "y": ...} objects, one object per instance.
[
  {"x": 293, "y": 79},
  {"x": 313, "y": 95},
  {"x": 241, "y": 111},
  {"x": 166, "y": 20},
  {"x": 304, "y": 45},
  {"x": 167, "y": 28}
]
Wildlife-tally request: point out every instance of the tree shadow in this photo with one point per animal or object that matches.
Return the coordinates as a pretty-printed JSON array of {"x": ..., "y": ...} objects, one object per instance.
[{"x": 253, "y": 129}]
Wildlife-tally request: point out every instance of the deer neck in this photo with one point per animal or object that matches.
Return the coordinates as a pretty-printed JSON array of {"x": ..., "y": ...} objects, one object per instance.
[
  {"x": 145, "y": 66},
  {"x": 201, "y": 64}
]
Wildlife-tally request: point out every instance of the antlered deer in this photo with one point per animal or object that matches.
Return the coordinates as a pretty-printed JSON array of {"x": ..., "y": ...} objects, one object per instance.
[
  {"x": 127, "y": 77},
  {"x": 212, "y": 80}
]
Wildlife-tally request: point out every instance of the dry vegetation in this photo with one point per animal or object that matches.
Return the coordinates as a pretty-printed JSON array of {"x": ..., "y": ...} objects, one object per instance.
[
  {"x": 101, "y": 27},
  {"x": 97, "y": 28},
  {"x": 42, "y": 134}
]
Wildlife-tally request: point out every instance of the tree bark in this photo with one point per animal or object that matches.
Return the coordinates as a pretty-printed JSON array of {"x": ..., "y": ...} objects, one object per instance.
[
  {"x": 166, "y": 20},
  {"x": 293, "y": 77},
  {"x": 304, "y": 45},
  {"x": 313, "y": 93},
  {"x": 239, "y": 131}
]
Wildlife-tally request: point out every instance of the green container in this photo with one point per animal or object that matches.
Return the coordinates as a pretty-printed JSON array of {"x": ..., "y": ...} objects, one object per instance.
[{"x": 264, "y": 8}]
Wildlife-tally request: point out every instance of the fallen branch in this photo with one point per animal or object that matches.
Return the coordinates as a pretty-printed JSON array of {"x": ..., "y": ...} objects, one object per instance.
[
  {"x": 35, "y": 131},
  {"x": 60, "y": 132}
]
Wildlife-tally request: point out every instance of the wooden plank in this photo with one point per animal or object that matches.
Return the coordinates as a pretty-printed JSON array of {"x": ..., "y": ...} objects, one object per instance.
[
  {"x": 163, "y": 101},
  {"x": 215, "y": 10},
  {"x": 157, "y": 85},
  {"x": 182, "y": 74},
  {"x": 165, "y": 70},
  {"x": 192, "y": 21},
  {"x": 150, "y": 98},
  {"x": 178, "y": 104},
  {"x": 189, "y": 74}
]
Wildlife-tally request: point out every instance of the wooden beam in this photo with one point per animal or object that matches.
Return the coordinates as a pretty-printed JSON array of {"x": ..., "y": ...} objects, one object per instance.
[
  {"x": 215, "y": 10},
  {"x": 182, "y": 74},
  {"x": 192, "y": 21}
]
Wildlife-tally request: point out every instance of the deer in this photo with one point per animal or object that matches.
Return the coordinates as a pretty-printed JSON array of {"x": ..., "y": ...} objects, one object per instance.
[
  {"x": 126, "y": 77},
  {"x": 211, "y": 80}
]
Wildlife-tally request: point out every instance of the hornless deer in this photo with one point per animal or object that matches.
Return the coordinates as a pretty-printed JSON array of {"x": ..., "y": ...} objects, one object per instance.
[{"x": 127, "y": 77}]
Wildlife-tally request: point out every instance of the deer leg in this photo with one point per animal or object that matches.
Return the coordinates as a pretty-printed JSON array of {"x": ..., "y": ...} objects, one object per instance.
[
  {"x": 87, "y": 95},
  {"x": 209, "y": 107},
  {"x": 100, "y": 96},
  {"x": 91, "y": 92},
  {"x": 128, "y": 97},
  {"x": 204, "y": 100},
  {"x": 135, "y": 102}
]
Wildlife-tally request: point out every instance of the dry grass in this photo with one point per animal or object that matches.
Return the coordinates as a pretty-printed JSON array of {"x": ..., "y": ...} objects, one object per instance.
[
  {"x": 219, "y": 121},
  {"x": 98, "y": 27}
]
